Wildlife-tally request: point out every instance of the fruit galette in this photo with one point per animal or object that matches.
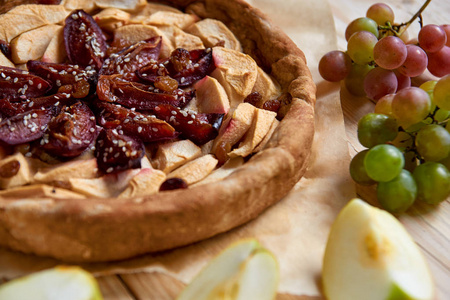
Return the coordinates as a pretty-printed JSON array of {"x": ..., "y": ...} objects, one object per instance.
[{"x": 130, "y": 127}]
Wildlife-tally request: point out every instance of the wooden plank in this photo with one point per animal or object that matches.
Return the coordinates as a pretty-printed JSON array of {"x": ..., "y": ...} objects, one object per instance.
[
  {"x": 113, "y": 288},
  {"x": 152, "y": 286}
]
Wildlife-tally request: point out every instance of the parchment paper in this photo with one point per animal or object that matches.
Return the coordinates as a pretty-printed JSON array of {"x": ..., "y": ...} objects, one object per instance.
[{"x": 295, "y": 229}]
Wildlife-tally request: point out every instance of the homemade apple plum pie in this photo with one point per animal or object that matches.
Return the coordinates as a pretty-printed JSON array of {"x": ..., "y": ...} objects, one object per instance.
[{"x": 130, "y": 127}]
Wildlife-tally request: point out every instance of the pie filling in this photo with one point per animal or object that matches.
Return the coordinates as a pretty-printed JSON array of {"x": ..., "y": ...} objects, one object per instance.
[{"x": 116, "y": 103}]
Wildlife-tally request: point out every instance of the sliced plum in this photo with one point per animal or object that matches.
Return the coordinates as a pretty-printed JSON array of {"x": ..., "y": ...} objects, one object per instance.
[
  {"x": 131, "y": 59},
  {"x": 71, "y": 131},
  {"x": 117, "y": 152},
  {"x": 84, "y": 40},
  {"x": 112, "y": 88},
  {"x": 26, "y": 127},
  {"x": 146, "y": 127},
  {"x": 16, "y": 83},
  {"x": 199, "y": 128},
  {"x": 71, "y": 79},
  {"x": 9, "y": 108},
  {"x": 184, "y": 66}
]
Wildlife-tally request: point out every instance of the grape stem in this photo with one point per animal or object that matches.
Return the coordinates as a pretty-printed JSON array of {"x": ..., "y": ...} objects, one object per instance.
[{"x": 398, "y": 30}]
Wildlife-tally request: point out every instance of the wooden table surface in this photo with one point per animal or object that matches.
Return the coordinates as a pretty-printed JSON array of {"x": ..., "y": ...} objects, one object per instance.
[{"x": 429, "y": 226}]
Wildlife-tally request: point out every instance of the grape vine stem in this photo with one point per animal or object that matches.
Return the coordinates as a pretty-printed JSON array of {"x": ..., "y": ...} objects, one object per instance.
[
  {"x": 398, "y": 30},
  {"x": 418, "y": 14}
]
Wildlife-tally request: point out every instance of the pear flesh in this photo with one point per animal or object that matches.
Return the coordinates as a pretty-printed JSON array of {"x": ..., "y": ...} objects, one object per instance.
[
  {"x": 245, "y": 270},
  {"x": 69, "y": 283},
  {"x": 371, "y": 256}
]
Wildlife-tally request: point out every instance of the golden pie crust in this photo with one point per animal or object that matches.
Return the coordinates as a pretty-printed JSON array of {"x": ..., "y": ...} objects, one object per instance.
[{"x": 92, "y": 230}]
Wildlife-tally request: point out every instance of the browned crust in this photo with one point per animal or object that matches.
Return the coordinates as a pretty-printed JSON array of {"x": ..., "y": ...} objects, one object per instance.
[{"x": 112, "y": 229}]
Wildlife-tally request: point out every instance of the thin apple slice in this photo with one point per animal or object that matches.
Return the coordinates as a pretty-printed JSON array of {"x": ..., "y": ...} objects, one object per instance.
[
  {"x": 370, "y": 255},
  {"x": 86, "y": 5},
  {"x": 134, "y": 33},
  {"x": 195, "y": 170},
  {"x": 128, "y": 5},
  {"x": 174, "y": 154},
  {"x": 69, "y": 283},
  {"x": 56, "y": 51},
  {"x": 39, "y": 191},
  {"x": 146, "y": 182},
  {"x": 232, "y": 130},
  {"x": 4, "y": 61},
  {"x": 211, "y": 96},
  {"x": 23, "y": 18},
  {"x": 220, "y": 173},
  {"x": 260, "y": 127},
  {"x": 27, "y": 47},
  {"x": 214, "y": 33},
  {"x": 111, "y": 18},
  {"x": 245, "y": 270},
  {"x": 15, "y": 170},
  {"x": 142, "y": 15},
  {"x": 72, "y": 169},
  {"x": 181, "y": 39},
  {"x": 266, "y": 86},
  {"x": 171, "y": 18},
  {"x": 236, "y": 72},
  {"x": 107, "y": 186}
]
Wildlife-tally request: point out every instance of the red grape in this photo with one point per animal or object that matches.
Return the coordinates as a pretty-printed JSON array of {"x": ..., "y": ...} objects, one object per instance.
[
  {"x": 432, "y": 38},
  {"x": 380, "y": 82},
  {"x": 390, "y": 52},
  {"x": 410, "y": 106},
  {"x": 446, "y": 28},
  {"x": 439, "y": 62},
  {"x": 402, "y": 81},
  {"x": 416, "y": 61},
  {"x": 335, "y": 66}
]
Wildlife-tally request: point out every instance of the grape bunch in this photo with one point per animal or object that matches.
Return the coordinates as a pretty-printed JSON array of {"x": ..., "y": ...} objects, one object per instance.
[
  {"x": 380, "y": 59},
  {"x": 408, "y": 135}
]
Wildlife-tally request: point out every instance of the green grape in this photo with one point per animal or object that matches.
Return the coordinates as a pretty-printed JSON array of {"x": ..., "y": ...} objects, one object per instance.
[
  {"x": 410, "y": 106},
  {"x": 442, "y": 115},
  {"x": 384, "y": 105},
  {"x": 397, "y": 195},
  {"x": 360, "y": 47},
  {"x": 428, "y": 86},
  {"x": 433, "y": 142},
  {"x": 446, "y": 162},
  {"x": 442, "y": 93},
  {"x": 357, "y": 170},
  {"x": 354, "y": 82},
  {"x": 433, "y": 182},
  {"x": 384, "y": 162},
  {"x": 375, "y": 129},
  {"x": 361, "y": 24}
]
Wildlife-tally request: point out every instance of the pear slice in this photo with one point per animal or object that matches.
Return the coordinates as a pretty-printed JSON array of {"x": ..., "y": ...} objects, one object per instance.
[
  {"x": 370, "y": 255},
  {"x": 69, "y": 283},
  {"x": 245, "y": 270}
]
